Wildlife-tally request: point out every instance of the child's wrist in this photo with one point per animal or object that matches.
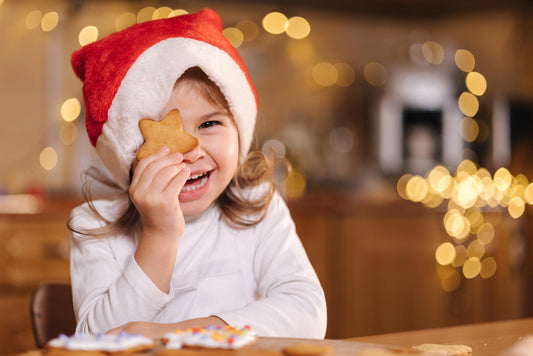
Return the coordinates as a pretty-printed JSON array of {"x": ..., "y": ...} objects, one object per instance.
[{"x": 161, "y": 234}]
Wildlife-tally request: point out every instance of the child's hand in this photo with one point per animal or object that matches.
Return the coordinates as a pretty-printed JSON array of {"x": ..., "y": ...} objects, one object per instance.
[
  {"x": 156, "y": 184},
  {"x": 151, "y": 330}
]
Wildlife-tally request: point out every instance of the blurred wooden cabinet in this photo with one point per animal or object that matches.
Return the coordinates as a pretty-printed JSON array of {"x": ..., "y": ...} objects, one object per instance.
[
  {"x": 376, "y": 261},
  {"x": 33, "y": 249}
]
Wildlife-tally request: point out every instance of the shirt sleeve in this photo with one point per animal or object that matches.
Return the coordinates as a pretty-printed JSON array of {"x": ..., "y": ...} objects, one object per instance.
[
  {"x": 291, "y": 301},
  {"x": 108, "y": 292}
]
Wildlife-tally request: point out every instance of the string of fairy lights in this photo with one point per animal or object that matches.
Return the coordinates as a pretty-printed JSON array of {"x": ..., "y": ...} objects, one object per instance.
[{"x": 475, "y": 197}]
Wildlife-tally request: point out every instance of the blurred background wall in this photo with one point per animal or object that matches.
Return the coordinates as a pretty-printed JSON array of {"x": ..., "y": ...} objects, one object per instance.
[{"x": 408, "y": 125}]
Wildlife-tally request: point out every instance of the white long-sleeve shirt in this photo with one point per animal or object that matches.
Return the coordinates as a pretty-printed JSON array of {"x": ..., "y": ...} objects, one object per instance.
[{"x": 259, "y": 276}]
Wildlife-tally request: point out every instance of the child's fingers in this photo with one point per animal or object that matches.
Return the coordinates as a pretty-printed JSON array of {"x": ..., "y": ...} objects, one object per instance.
[
  {"x": 163, "y": 177},
  {"x": 178, "y": 181},
  {"x": 140, "y": 166},
  {"x": 115, "y": 330},
  {"x": 148, "y": 167},
  {"x": 148, "y": 189}
]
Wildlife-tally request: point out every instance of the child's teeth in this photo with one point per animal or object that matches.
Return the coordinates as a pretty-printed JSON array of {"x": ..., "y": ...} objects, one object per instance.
[{"x": 200, "y": 184}]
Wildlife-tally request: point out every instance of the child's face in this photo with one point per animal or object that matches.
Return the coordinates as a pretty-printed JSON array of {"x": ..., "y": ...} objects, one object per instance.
[{"x": 214, "y": 161}]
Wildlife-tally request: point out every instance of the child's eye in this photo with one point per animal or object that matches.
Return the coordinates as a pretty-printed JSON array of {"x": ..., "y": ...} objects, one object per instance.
[{"x": 209, "y": 123}]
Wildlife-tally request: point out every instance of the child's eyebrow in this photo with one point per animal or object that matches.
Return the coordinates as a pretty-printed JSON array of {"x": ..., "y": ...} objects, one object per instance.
[{"x": 216, "y": 113}]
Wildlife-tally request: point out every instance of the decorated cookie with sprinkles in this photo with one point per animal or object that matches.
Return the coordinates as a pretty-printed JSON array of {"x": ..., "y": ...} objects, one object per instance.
[
  {"x": 99, "y": 344},
  {"x": 211, "y": 337}
]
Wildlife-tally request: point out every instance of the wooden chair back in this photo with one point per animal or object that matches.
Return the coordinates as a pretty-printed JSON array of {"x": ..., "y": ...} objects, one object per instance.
[{"x": 52, "y": 312}]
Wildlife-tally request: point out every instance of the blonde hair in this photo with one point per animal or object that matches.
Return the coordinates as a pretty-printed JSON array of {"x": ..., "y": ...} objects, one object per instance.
[{"x": 256, "y": 170}]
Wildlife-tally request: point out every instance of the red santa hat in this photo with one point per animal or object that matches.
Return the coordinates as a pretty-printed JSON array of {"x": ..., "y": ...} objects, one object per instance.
[{"x": 130, "y": 74}]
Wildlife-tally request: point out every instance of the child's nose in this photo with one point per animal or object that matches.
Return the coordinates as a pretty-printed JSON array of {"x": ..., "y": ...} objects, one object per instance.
[{"x": 194, "y": 155}]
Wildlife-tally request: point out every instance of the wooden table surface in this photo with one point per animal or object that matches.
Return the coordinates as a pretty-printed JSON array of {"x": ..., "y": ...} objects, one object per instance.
[
  {"x": 263, "y": 347},
  {"x": 486, "y": 339}
]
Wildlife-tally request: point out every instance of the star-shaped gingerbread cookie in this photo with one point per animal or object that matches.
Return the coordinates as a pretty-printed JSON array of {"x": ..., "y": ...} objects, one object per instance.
[{"x": 167, "y": 132}]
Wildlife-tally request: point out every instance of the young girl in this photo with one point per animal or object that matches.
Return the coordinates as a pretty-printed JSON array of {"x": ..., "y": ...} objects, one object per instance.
[{"x": 200, "y": 238}]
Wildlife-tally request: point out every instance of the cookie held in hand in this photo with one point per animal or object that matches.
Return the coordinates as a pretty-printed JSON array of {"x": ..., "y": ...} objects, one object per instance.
[{"x": 167, "y": 132}]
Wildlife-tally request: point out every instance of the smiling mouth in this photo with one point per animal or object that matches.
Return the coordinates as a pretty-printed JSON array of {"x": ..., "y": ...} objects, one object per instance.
[{"x": 196, "y": 182}]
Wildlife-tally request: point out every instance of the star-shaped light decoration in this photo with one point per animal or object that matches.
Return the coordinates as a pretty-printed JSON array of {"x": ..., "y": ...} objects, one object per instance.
[{"x": 167, "y": 132}]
